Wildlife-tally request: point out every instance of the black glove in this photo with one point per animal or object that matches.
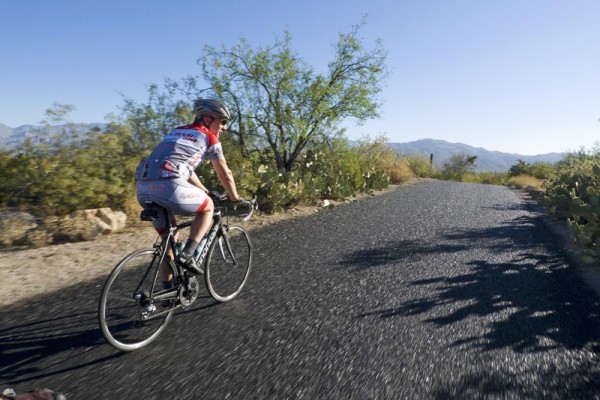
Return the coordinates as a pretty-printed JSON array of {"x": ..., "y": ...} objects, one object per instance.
[
  {"x": 217, "y": 197},
  {"x": 242, "y": 204}
]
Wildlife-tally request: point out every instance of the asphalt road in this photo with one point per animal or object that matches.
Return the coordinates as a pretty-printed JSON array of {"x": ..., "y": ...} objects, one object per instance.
[{"x": 432, "y": 291}]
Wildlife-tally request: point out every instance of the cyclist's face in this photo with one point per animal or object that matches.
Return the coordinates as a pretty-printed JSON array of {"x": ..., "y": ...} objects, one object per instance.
[{"x": 218, "y": 126}]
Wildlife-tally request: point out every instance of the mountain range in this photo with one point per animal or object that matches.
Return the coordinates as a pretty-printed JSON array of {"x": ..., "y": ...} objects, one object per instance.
[
  {"x": 493, "y": 161},
  {"x": 13, "y": 138},
  {"x": 496, "y": 161}
]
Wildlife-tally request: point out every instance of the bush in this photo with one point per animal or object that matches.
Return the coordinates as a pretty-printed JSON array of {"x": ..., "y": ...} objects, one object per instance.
[
  {"x": 573, "y": 192},
  {"x": 57, "y": 180},
  {"x": 486, "y": 177},
  {"x": 64, "y": 178},
  {"x": 525, "y": 181},
  {"x": 419, "y": 165},
  {"x": 457, "y": 167},
  {"x": 537, "y": 170},
  {"x": 381, "y": 164},
  {"x": 574, "y": 173}
]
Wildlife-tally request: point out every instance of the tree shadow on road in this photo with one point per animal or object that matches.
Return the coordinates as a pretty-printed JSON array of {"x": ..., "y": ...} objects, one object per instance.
[
  {"x": 524, "y": 294},
  {"x": 52, "y": 337},
  {"x": 537, "y": 299},
  {"x": 28, "y": 343},
  {"x": 391, "y": 252}
]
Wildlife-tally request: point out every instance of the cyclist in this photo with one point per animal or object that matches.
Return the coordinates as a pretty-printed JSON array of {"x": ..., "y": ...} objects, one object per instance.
[{"x": 167, "y": 176}]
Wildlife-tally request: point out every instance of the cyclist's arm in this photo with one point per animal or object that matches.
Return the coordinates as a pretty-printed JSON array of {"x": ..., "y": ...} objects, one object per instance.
[
  {"x": 194, "y": 180},
  {"x": 225, "y": 177}
]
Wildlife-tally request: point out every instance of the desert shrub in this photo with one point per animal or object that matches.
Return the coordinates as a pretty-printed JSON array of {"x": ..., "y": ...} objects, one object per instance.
[
  {"x": 525, "y": 181},
  {"x": 327, "y": 171},
  {"x": 278, "y": 189},
  {"x": 584, "y": 215},
  {"x": 457, "y": 168},
  {"x": 573, "y": 192},
  {"x": 244, "y": 169},
  {"x": 64, "y": 178},
  {"x": 401, "y": 172},
  {"x": 381, "y": 164},
  {"x": 469, "y": 177},
  {"x": 539, "y": 170},
  {"x": 419, "y": 165},
  {"x": 492, "y": 178},
  {"x": 484, "y": 177},
  {"x": 332, "y": 170},
  {"x": 575, "y": 172}
]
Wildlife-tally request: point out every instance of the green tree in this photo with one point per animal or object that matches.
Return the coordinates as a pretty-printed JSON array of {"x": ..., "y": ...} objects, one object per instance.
[
  {"x": 283, "y": 104},
  {"x": 56, "y": 114},
  {"x": 458, "y": 166},
  {"x": 520, "y": 168},
  {"x": 149, "y": 122}
]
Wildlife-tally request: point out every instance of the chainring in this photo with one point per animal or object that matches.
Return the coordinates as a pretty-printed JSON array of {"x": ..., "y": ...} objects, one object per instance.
[{"x": 188, "y": 292}]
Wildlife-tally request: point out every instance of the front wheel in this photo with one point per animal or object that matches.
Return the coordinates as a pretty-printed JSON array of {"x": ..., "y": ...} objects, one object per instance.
[
  {"x": 134, "y": 308},
  {"x": 228, "y": 263}
]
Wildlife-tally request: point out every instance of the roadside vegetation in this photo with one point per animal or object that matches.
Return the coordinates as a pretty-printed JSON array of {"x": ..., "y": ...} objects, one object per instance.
[
  {"x": 286, "y": 145},
  {"x": 572, "y": 191}
]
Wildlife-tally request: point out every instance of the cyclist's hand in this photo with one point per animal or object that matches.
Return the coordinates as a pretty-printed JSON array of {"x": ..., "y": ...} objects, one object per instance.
[
  {"x": 244, "y": 207},
  {"x": 217, "y": 197},
  {"x": 243, "y": 204}
]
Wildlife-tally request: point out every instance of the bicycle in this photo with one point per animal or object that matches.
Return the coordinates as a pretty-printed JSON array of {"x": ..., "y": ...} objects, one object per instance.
[{"x": 134, "y": 308}]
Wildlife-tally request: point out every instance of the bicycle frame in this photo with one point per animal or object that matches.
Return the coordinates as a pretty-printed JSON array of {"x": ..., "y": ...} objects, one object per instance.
[
  {"x": 157, "y": 304},
  {"x": 216, "y": 226},
  {"x": 168, "y": 242}
]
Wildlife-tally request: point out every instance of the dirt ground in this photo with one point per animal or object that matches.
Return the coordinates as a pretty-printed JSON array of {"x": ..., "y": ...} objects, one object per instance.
[
  {"x": 28, "y": 273},
  {"x": 39, "y": 272}
]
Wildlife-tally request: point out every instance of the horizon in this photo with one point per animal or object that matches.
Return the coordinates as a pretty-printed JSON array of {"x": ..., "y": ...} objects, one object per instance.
[
  {"x": 517, "y": 77},
  {"x": 348, "y": 138}
]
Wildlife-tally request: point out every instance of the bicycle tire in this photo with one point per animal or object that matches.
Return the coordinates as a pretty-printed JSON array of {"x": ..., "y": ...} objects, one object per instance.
[
  {"x": 224, "y": 278},
  {"x": 120, "y": 315}
]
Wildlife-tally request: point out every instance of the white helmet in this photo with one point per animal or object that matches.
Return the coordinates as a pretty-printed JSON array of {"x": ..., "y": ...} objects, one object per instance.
[{"x": 211, "y": 107}]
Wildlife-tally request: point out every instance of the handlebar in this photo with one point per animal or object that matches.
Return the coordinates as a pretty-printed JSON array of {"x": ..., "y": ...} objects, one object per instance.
[{"x": 242, "y": 208}]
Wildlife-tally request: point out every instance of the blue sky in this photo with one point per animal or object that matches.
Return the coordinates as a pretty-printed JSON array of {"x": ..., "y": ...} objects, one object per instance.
[{"x": 517, "y": 76}]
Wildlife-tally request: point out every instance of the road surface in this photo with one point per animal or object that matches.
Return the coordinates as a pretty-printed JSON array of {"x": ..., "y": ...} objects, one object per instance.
[{"x": 432, "y": 291}]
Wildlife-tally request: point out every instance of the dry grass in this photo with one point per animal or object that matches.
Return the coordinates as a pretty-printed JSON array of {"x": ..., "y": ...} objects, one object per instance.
[
  {"x": 401, "y": 173},
  {"x": 525, "y": 181}
]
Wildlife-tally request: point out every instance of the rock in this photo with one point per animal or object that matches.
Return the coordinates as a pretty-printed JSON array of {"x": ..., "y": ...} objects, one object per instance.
[
  {"x": 75, "y": 227},
  {"x": 38, "y": 238},
  {"x": 21, "y": 228},
  {"x": 98, "y": 221},
  {"x": 15, "y": 227},
  {"x": 87, "y": 224},
  {"x": 111, "y": 221}
]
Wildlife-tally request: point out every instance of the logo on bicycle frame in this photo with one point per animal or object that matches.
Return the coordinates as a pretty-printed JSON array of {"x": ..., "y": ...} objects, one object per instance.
[{"x": 209, "y": 240}]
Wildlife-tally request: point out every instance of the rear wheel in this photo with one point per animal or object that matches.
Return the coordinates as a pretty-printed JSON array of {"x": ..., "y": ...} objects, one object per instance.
[
  {"x": 134, "y": 307},
  {"x": 228, "y": 263}
]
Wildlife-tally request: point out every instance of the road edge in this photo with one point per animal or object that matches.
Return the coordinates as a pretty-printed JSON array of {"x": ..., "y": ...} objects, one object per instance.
[{"x": 589, "y": 273}]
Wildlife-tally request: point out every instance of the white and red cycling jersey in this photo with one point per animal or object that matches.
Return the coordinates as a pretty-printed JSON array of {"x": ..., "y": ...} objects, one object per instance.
[
  {"x": 162, "y": 178},
  {"x": 179, "y": 153}
]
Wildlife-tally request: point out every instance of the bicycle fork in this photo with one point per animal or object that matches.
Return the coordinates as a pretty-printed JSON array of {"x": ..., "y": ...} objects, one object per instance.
[{"x": 225, "y": 239}]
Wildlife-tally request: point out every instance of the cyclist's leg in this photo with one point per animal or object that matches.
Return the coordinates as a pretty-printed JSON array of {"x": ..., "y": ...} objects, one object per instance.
[
  {"x": 159, "y": 192},
  {"x": 161, "y": 227},
  {"x": 180, "y": 197},
  {"x": 200, "y": 226},
  {"x": 190, "y": 199}
]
